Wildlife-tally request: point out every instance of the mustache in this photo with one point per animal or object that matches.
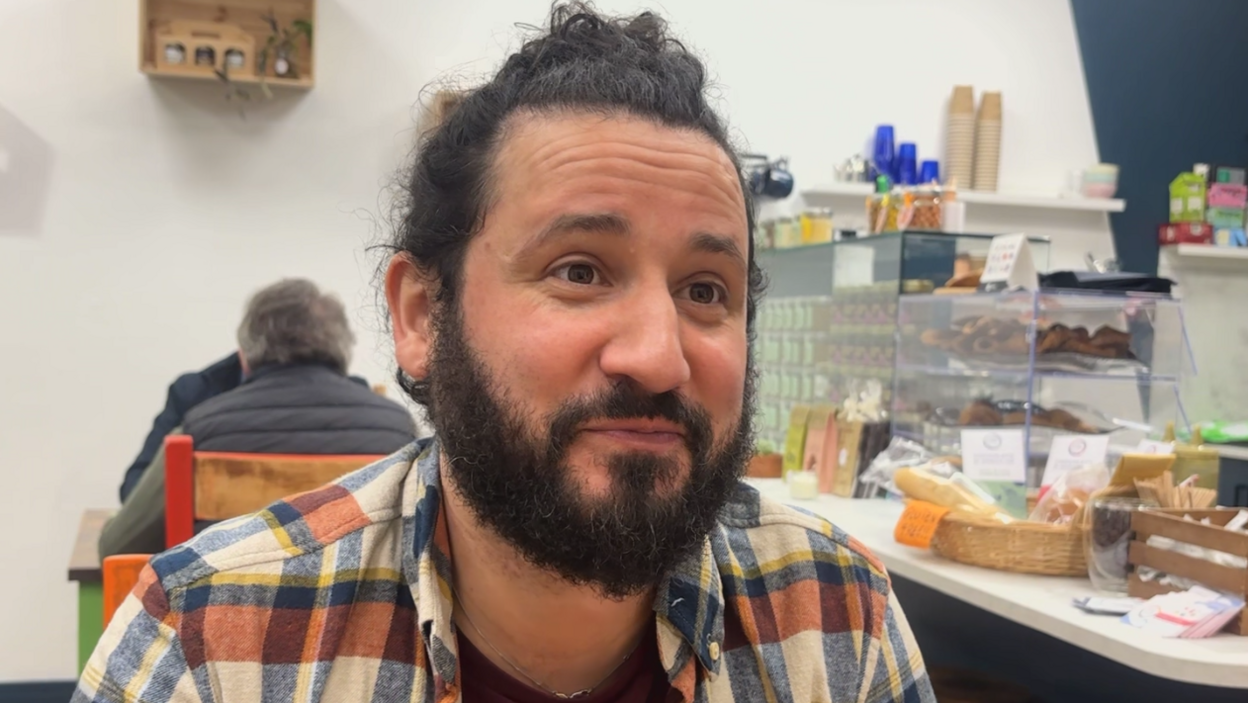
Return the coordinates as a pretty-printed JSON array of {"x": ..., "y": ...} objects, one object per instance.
[{"x": 624, "y": 400}]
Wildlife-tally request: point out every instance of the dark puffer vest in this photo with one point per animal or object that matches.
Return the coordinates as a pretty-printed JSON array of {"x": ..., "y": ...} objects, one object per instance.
[{"x": 300, "y": 409}]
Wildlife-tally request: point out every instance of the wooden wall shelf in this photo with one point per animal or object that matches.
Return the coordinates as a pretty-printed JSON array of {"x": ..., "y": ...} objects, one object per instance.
[
  {"x": 246, "y": 15},
  {"x": 301, "y": 83}
]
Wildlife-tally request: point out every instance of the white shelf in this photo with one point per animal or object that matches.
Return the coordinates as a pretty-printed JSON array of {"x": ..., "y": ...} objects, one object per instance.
[
  {"x": 1210, "y": 251},
  {"x": 1014, "y": 200},
  {"x": 1039, "y": 602}
]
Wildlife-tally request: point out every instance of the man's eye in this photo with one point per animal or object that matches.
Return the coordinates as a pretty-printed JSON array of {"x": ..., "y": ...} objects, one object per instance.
[
  {"x": 581, "y": 274},
  {"x": 705, "y": 294}
]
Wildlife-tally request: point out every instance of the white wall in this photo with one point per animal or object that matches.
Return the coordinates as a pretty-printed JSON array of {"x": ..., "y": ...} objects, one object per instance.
[{"x": 137, "y": 215}]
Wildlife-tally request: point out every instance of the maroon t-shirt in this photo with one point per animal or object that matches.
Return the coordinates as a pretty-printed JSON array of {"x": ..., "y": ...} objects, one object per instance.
[{"x": 641, "y": 679}]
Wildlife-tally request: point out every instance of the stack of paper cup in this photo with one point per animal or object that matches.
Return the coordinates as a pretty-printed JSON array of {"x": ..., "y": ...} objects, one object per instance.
[
  {"x": 960, "y": 138},
  {"x": 987, "y": 142}
]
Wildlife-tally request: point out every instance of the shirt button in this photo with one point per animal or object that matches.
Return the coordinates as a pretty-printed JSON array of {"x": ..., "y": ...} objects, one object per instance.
[{"x": 714, "y": 651}]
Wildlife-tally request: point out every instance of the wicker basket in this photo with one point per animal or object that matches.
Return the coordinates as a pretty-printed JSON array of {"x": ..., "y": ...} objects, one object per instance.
[{"x": 1023, "y": 547}]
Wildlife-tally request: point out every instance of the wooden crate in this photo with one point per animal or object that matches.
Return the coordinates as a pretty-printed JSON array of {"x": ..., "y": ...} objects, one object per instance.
[
  {"x": 1170, "y": 523},
  {"x": 247, "y": 16}
]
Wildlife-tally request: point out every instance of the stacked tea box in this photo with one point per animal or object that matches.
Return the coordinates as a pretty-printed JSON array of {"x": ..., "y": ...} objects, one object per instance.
[{"x": 1207, "y": 206}]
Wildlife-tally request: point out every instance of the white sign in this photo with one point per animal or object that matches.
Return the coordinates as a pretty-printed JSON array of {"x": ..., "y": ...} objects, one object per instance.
[
  {"x": 1152, "y": 446},
  {"x": 1009, "y": 265},
  {"x": 994, "y": 455},
  {"x": 853, "y": 265},
  {"x": 1072, "y": 451}
]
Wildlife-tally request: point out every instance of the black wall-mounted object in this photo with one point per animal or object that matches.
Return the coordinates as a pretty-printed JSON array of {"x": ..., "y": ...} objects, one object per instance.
[
  {"x": 767, "y": 178},
  {"x": 1168, "y": 86}
]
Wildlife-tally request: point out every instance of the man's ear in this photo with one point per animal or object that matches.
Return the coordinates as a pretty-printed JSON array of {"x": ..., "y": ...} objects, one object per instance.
[{"x": 409, "y": 294}]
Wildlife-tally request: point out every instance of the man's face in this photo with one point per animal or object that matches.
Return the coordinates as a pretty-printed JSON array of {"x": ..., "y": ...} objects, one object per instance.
[{"x": 591, "y": 386}]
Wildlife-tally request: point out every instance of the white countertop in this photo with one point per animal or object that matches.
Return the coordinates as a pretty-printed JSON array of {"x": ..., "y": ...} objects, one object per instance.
[
  {"x": 1231, "y": 451},
  {"x": 1039, "y": 602}
]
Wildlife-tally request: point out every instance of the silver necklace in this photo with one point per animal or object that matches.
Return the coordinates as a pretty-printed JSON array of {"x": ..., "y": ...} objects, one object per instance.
[{"x": 516, "y": 667}]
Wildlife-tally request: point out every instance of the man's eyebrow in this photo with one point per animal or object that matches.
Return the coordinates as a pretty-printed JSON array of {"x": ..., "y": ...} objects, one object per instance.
[
  {"x": 718, "y": 244},
  {"x": 611, "y": 223},
  {"x": 598, "y": 222}
]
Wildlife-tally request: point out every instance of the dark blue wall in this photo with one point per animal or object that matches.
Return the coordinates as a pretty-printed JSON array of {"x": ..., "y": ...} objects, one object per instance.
[{"x": 1168, "y": 84}]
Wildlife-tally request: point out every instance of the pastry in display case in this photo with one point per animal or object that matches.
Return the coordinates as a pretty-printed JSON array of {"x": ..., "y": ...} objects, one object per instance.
[
  {"x": 1012, "y": 413},
  {"x": 828, "y": 323},
  {"x": 1046, "y": 363},
  {"x": 985, "y": 338}
]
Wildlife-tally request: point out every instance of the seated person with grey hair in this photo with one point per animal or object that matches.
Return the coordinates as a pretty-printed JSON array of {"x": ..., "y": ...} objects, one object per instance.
[
  {"x": 295, "y": 345},
  {"x": 186, "y": 391}
]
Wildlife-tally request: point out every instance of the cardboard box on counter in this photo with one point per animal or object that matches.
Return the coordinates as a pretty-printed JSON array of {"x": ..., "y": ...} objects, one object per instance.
[
  {"x": 817, "y": 422},
  {"x": 1185, "y": 233},
  {"x": 1230, "y": 237},
  {"x": 1187, "y": 198},
  {"x": 1225, "y": 217},
  {"x": 1232, "y": 195},
  {"x": 1229, "y": 174},
  {"x": 795, "y": 439}
]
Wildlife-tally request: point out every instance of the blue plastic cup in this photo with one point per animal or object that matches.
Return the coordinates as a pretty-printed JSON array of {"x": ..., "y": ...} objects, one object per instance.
[
  {"x": 907, "y": 164},
  {"x": 929, "y": 172},
  {"x": 883, "y": 154}
]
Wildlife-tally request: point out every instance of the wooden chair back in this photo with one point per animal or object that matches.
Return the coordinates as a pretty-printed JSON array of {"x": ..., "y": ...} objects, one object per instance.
[{"x": 222, "y": 485}]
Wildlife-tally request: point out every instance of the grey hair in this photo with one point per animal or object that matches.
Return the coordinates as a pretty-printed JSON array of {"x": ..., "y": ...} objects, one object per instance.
[{"x": 291, "y": 322}]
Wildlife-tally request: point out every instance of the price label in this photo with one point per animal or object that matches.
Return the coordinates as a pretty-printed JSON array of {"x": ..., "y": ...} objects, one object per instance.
[
  {"x": 853, "y": 266},
  {"x": 917, "y": 525},
  {"x": 1071, "y": 451},
  {"x": 1152, "y": 446},
  {"x": 994, "y": 455},
  {"x": 1009, "y": 265}
]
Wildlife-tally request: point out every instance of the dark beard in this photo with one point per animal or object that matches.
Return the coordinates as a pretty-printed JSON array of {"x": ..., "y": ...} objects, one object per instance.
[{"x": 516, "y": 481}]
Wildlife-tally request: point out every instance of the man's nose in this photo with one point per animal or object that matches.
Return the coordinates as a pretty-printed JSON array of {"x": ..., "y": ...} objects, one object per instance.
[{"x": 646, "y": 345}]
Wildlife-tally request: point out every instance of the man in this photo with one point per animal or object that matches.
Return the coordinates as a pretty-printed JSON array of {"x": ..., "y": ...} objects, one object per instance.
[
  {"x": 187, "y": 391},
  {"x": 571, "y": 299},
  {"x": 294, "y": 347}
]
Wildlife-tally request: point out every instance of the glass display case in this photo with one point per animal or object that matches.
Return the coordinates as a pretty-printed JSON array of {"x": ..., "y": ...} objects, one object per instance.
[
  {"x": 828, "y": 322},
  {"x": 1047, "y": 363}
]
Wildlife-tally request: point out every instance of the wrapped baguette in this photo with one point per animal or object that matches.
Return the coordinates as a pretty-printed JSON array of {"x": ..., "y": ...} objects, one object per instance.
[{"x": 960, "y": 496}]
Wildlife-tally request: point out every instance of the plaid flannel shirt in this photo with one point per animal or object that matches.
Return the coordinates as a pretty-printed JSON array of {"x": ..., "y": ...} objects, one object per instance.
[{"x": 343, "y": 594}]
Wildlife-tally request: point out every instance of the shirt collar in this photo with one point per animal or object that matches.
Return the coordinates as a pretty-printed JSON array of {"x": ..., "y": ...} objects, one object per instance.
[{"x": 688, "y": 604}]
